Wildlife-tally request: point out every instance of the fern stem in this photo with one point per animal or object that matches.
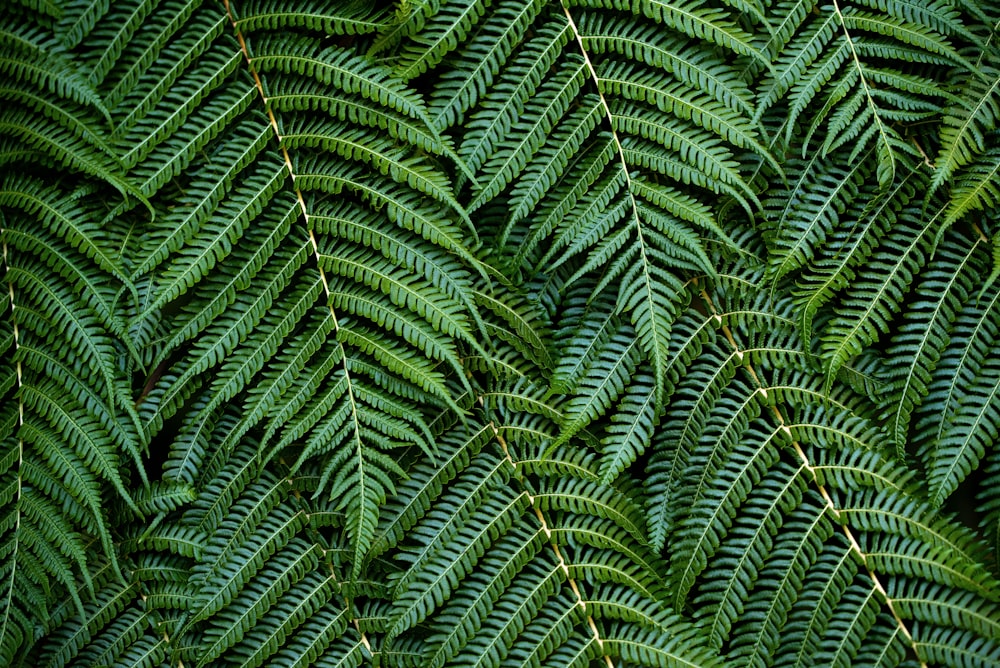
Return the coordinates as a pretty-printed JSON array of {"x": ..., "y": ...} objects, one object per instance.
[
  {"x": 868, "y": 93},
  {"x": 823, "y": 492},
  {"x": 927, "y": 161},
  {"x": 555, "y": 547},
  {"x": 17, "y": 335},
  {"x": 20, "y": 446},
  {"x": 610, "y": 118},
  {"x": 981, "y": 236},
  {"x": 644, "y": 260},
  {"x": 604, "y": 103},
  {"x": 983, "y": 53},
  {"x": 316, "y": 256}
]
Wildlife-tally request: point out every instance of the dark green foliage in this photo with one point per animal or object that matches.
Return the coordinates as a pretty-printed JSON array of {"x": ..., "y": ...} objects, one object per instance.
[{"x": 499, "y": 333}]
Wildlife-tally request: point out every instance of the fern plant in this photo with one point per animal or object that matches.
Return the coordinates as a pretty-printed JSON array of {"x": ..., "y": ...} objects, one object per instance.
[{"x": 499, "y": 333}]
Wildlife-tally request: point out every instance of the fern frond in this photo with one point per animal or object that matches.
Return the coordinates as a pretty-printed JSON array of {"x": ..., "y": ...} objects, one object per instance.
[
  {"x": 424, "y": 485},
  {"x": 609, "y": 371},
  {"x": 333, "y": 18},
  {"x": 669, "y": 456},
  {"x": 74, "y": 118},
  {"x": 56, "y": 454},
  {"x": 696, "y": 68},
  {"x": 539, "y": 116},
  {"x": 640, "y": 85},
  {"x": 66, "y": 216},
  {"x": 922, "y": 340},
  {"x": 381, "y": 154},
  {"x": 401, "y": 205},
  {"x": 31, "y": 55},
  {"x": 906, "y": 29},
  {"x": 308, "y": 598},
  {"x": 221, "y": 289},
  {"x": 650, "y": 647},
  {"x": 338, "y": 68},
  {"x": 552, "y": 160},
  {"x": 974, "y": 188},
  {"x": 194, "y": 206},
  {"x": 71, "y": 266},
  {"x": 123, "y": 634},
  {"x": 442, "y": 574},
  {"x": 869, "y": 303},
  {"x": 848, "y": 245},
  {"x": 905, "y": 537},
  {"x": 221, "y": 337},
  {"x": 113, "y": 32},
  {"x": 965, "y": 127},
  {"x": 408, "y": 18},
  {"x": 65, "y": 148},
  {"x": 840, "y": 71},
  {"x": 954, "y": 436},
  {"x": 77, "y": 21},
  {"x": 535, "y": 595},
  {"x": 364, "y": 227},
  {"x": 471, "y": 607},
  {"x": 285, "y": 568},
  {"x": 324, "y": 635},
  {"x": 256, "y": 528},
  {"x": 444, "y": 29},
  {"x": 488, "y": 333},
  {"x": 631, "y": 428},
  {"x": 703, "y": 163},
  {"x": 810, "y": 212},
  {"x": 711, "y": 24},
  {"x": 161, "y": 142},
  {"x": 441, "y": 313},
  {"x": 772, "y": 602},
  {"x": 713, "y": 515},
  {"x": 503, "y": 104},
  {"x": 482, "y": 57},
  {"x": 66, "y": 642},
  {"x": 156, "y": 50}
]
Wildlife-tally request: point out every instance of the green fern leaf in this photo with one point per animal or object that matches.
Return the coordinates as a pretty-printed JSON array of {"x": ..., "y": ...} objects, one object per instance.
[
  {"x": 870, "y": 303},
  {"x": 338, "y": 68},
  {"x": 498, "y": 333},
  {"x": 956, "y": 436},
  {"x": 439, "y": 35},
  {"x": 714, "y": 25},
  {"x": 965, "y": 126},
  {"x": 921, "y": 341},
  {"x": 482, "y": 58},
  {"x": 333, "y": 18},
  {"x": 974, "y": 188}
]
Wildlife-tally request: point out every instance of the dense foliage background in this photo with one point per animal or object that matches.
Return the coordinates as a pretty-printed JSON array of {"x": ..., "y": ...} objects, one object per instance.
[{"x": 499, "y": 333}]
